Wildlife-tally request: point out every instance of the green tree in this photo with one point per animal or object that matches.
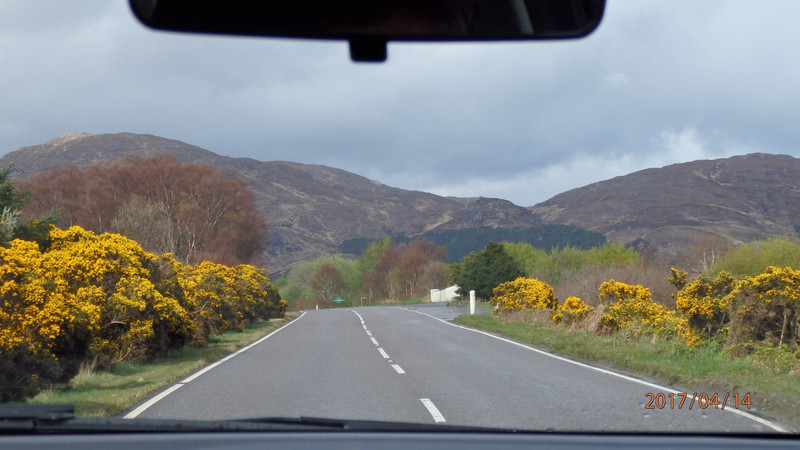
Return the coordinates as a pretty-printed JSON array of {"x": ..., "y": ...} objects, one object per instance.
[
  {"x": 374, "y": 266},
  {"x": 534, "y": 261},
  {"x": 753, "y": 258},
  {"x": 10, "y": 196},
  {"x": 12, "y": 200},
  {"x": 485, "y": 270},
  {"x": 296, "y": 285}
]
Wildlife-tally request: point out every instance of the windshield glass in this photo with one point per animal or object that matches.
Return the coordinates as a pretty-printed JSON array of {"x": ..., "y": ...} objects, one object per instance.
[{"x": 591, "y": 234}]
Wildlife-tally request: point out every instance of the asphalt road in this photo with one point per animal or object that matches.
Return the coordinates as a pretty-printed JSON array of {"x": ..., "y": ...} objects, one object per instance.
[{"x": 408, "y": 364}]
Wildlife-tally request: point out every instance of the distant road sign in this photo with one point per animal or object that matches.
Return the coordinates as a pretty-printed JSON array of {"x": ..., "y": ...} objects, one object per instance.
[{"x": 338, "y": 300}]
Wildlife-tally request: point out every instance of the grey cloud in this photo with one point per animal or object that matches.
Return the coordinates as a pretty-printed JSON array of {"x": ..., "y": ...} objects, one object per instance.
[{"x": 658, "y": 83}]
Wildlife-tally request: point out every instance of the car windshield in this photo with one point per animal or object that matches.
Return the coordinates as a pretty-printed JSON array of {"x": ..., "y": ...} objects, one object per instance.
[{"x": 595, "y": 234}]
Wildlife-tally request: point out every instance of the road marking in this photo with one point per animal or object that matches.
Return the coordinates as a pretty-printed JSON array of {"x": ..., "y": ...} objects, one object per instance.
[
  {"x": 437, "y": 416},
  {"x": 383, "y": 353},
  {"x": 151, "y": 402},
  {"x": 202, "y": 371},
  {"x": 144, "y": 406},
  {"x": 765, "y": 422}
]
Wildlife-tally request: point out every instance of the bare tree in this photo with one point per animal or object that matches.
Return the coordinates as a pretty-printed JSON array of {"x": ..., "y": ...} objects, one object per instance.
[{"x": 327, "y": 280}]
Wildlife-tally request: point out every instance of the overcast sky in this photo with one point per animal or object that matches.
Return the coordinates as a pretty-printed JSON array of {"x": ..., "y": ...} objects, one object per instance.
[{"x": 659, "y": 82}]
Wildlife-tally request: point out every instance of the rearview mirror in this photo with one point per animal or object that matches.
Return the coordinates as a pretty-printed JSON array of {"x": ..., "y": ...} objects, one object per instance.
[{"x": 369, "y": 25}]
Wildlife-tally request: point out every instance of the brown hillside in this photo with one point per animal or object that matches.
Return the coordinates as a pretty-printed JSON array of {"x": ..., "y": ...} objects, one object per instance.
[{"x": 741, "y": 198}]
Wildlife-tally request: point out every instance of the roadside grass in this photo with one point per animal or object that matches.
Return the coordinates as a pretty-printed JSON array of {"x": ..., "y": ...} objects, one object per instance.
[
  {"x": 107, "y": 393},
  {"x": 691, "y": 369},
  {"x": 410, "y": 301}
]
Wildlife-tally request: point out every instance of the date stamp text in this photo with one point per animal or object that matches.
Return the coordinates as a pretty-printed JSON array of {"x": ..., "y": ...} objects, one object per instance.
[{"x": 698, "y": 400}]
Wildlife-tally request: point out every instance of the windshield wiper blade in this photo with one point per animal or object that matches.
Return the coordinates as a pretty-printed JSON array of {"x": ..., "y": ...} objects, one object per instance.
[
  {"x": 25, "y": 418},
  {"x": 32, "y": 418},
  {"x": 368, "y": 425},
  {"x": 22, "y": 417}
]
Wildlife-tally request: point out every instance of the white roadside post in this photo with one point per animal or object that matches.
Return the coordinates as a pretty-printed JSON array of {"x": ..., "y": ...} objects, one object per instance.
[{"x": 471, "y": 303}]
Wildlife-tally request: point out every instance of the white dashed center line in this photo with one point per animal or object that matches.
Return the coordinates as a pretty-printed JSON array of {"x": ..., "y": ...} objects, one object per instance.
[
  {"x": 383, "y": 353},
  {"x": 432, "y": 409},
  {"x": 437, "y": 416}
]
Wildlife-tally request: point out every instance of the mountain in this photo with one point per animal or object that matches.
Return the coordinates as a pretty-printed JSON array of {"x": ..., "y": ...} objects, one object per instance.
[
  {"x": 664, "y": 210},
  {"x": 310, "y": 209}
]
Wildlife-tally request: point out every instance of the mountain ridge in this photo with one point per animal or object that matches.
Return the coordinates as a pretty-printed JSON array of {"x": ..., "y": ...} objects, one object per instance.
[
  {"x": 312, "y": 209},
  {"x": 741, "y": 198}
]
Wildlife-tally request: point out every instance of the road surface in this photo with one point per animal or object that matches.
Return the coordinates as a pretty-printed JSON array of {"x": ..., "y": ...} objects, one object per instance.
[{"x": 407, "y": 364}]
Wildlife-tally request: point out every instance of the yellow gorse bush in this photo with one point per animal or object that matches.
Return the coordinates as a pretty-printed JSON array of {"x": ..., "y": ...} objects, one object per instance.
[
  {"x": 626, "y": 305},
  {"x": 223, "y": 297},
  {"x": 101, "y": 298},
  {"x": 32, "y": 314},
  {"x": 760, "y": 308},
  {"x": 705, "y": 305},
  {"x": 117, "y": 306},
  {"x": 571, "y": 310},
  {"x": 767, "y": 307},
  {"x": 523, "y": 293},
  {"x": 775, "y": 284}
]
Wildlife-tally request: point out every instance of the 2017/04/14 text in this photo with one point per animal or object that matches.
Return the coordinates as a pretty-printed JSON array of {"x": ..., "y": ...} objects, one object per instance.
[{"x": 701, "y": 400}]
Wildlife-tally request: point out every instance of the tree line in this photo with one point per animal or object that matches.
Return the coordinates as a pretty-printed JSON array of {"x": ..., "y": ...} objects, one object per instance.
[
  {"x": 388, "y": 271},
  {"x": 190, "y": 210},
  {"x": 383, "y": 271}
]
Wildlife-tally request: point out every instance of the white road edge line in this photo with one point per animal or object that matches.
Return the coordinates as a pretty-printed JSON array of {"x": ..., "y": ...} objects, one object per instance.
[
  {"x": 201, "y": 371},
  {"x": 383, "y": 352},
  {"x": 437, "y": 416},
  {"x": 774, "y": 426},
  {"x": 374, "y": 341},
  {"x": 398, "y": 369},
  {"x": 133, "y": 414},
  {"x": 142, "y": 408}
]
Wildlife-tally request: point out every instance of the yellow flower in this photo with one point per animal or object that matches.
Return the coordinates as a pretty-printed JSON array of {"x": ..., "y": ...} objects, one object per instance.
[
  {"x": 523, "y": 293},
  {"x": 571, "y": 310}
]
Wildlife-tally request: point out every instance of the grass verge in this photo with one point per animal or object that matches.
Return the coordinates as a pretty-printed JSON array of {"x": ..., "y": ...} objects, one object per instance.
[
  {"x": 107, "y": 393},
  {"x": 697, "y": 369}
]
